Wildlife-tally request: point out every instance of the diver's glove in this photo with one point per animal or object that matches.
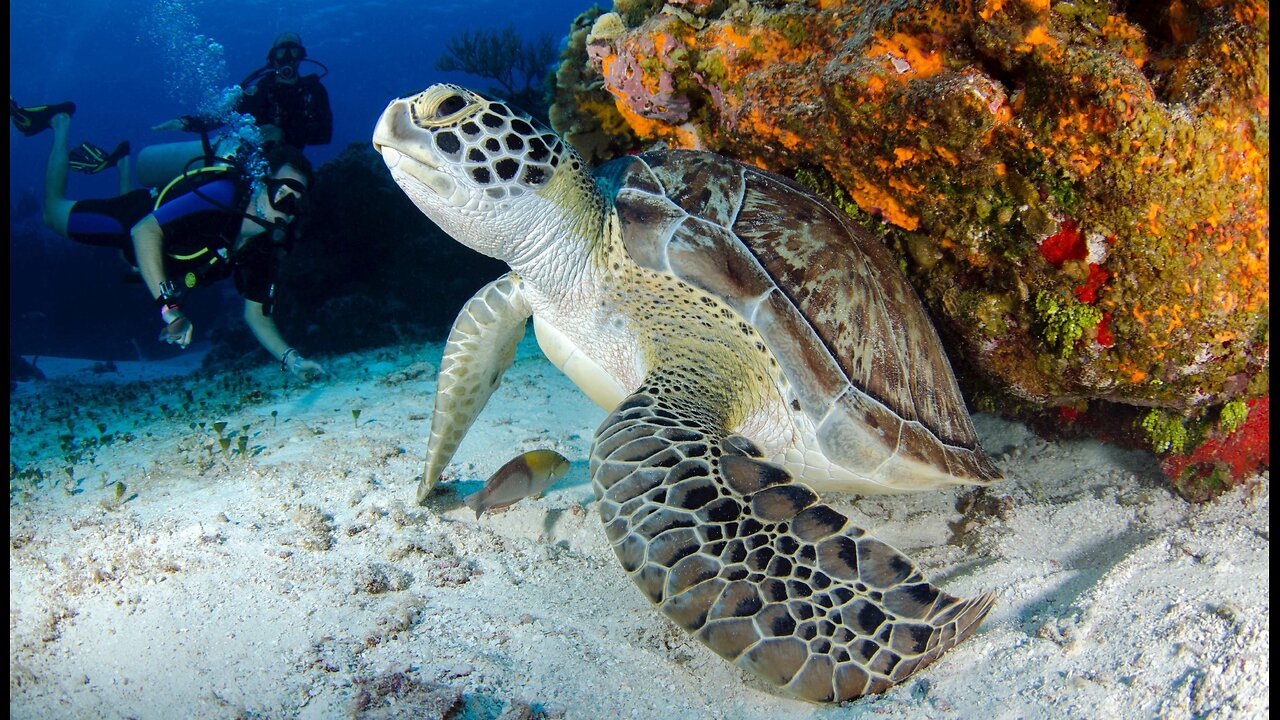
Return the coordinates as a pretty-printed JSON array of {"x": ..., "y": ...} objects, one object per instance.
[
  {"x": 178, "y": 329},
  {"x": 302, "y": 368},
  {"x": 91, "y": 159}
]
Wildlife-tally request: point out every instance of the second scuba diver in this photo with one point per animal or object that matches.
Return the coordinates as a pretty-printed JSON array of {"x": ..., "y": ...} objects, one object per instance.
[{"x": 288, "y": 107}]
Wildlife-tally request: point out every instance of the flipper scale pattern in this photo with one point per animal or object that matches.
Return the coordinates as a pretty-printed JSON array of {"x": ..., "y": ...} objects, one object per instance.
[{"x": 750, "y": 562}]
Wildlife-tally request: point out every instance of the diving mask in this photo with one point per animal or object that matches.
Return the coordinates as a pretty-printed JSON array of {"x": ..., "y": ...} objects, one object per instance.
[
  {"x": 285, "y": 58},
  {"x": 286, "y": 195}
]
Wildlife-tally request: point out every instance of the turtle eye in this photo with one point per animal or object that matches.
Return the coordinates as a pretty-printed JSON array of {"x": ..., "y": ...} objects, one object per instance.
[{"x": 450, "y": 106}]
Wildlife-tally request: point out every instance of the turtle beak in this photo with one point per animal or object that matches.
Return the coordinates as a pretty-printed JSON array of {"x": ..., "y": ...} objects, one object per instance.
[
  {"x": 395, "y": 132},
  {"x": 408, "y": 150}
]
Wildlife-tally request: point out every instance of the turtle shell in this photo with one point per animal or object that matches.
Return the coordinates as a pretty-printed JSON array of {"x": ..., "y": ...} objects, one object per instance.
[{"x": 830, "y": 302}]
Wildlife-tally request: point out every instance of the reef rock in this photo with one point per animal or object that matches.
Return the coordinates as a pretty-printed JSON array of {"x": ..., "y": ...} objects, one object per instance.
[{"x": 1078, "y": 190}]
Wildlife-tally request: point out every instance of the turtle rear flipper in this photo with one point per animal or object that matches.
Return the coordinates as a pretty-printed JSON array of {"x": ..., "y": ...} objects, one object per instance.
[{"x": 747, "y": 560}]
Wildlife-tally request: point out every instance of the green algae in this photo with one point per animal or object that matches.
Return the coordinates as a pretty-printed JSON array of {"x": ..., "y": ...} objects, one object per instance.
[
  {"x": 1166, "y": 432},
  {"x": 1064, "y": 321},
  {"x": 1232, "y": 416}
]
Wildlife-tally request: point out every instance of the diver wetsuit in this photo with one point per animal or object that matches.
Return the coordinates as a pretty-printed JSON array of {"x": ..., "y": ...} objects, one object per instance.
[
  {"x": 301, "y": 109},
  {"x": 200, "y": 232}
]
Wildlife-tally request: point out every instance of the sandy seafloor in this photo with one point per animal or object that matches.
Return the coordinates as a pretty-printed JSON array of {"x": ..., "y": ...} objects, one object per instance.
[{"x": 298, "y": 580}]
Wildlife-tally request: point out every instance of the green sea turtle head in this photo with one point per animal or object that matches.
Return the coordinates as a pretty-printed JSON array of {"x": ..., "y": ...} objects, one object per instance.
[{"x": 486, "y": 173}]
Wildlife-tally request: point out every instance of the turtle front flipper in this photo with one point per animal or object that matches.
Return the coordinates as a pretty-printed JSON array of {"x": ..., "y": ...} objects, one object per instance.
[
  {"x": 481, "y": 346},
  {"x": 747, "y": 560}
]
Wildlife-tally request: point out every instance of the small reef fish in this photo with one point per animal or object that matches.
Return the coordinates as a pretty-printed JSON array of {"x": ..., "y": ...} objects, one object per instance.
[{"x": 524, "y": 476}]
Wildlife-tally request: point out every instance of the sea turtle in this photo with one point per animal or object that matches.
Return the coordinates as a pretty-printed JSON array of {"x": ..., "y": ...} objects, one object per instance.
[{"x": 751, "y": 344}]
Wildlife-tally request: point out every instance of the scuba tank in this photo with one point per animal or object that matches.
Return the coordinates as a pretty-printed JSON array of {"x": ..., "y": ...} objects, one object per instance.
[{"x": 156, "y": 165}]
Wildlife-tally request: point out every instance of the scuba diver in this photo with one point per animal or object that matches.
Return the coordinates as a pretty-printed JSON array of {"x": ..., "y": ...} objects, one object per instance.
[
  {"x": 289, "y": 108},
  {"x": 207, "y": 224}
]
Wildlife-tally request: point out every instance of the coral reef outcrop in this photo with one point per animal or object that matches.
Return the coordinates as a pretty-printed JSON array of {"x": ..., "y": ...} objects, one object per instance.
[{"x": 1078, "y": 190}]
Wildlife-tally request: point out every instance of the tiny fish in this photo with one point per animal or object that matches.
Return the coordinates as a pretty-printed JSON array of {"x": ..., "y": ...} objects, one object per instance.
[{"x": 524, "y": 476}]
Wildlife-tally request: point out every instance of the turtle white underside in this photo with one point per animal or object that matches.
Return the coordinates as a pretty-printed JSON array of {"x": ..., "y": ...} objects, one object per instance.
[{"x": 593, "y": 380}]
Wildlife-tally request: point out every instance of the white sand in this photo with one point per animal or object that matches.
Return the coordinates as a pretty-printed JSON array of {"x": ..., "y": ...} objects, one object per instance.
[{"x": 301, "y": 580}]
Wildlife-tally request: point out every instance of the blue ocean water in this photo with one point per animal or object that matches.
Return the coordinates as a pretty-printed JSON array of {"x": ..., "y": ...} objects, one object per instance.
[{"x": 131, "y": 64}]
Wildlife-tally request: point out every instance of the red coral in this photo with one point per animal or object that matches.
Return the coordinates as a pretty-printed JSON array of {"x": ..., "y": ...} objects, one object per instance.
[
  {"x": 1105, "y": 338},
  {"x": 1236, "y": 455},
  {"x": 1066, "y": 244},
  {"x": 1088, "y": 292}
]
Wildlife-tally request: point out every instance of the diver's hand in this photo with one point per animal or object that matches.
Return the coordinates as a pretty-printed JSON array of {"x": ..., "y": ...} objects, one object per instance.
[
  {"x": 170, "y": 125},
  {"x": 188, "y": 123},
  {"x": 307, "y": 370},
  {"x": 302, "y": 368},
  {"x": 178, "y": 331},
  {"x": 271, "y": 133}
]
